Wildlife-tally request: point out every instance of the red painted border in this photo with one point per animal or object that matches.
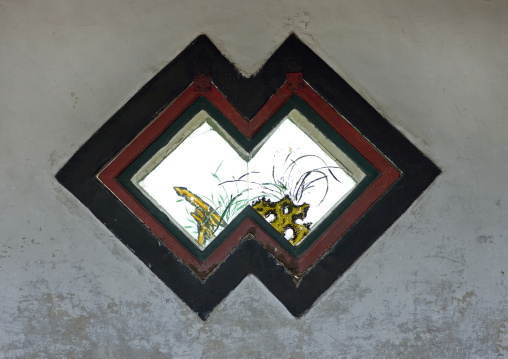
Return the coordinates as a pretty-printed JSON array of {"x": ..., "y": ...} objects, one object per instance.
[{"x": 293, "y": 85}]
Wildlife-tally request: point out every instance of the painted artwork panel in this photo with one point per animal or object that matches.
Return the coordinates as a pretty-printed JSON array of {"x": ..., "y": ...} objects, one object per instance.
[
  {"x": 289, "y": 179},
  {"x": 187, "y": 184}
]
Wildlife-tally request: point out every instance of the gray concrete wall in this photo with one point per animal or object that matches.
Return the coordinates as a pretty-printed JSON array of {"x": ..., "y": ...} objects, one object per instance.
[{"x": 433, "y": 286}]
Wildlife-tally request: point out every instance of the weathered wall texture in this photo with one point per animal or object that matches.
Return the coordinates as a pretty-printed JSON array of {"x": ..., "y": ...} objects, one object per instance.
[{"x": 433, "y": 286}]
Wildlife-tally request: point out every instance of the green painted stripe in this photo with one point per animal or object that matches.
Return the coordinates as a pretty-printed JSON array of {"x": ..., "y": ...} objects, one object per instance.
[{"x": 248, "y": 145}]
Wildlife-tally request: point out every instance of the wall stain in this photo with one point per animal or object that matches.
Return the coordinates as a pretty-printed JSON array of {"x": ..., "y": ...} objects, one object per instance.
[
  {"x": 301, "y": 19},
  {"x": 484, "y": 239},
  {"x": 113, "y": 307},
  {"x": 464, "y": 303},
  {"x": 502, "y": 340},
  {"x": 76, "y": 98}
]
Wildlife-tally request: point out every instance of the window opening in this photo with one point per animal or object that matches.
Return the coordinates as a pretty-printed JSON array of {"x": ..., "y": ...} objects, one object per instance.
[
  {"x": 201, "y": 91},
  {"x": 202, "y": 179}
]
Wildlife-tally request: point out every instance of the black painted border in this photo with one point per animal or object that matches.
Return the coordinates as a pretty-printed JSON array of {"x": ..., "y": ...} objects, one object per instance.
[{"x": 248, "y": 95}]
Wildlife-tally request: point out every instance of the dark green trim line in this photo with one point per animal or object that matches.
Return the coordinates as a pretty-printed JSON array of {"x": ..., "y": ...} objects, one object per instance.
[{"x": 294, "y": 103}]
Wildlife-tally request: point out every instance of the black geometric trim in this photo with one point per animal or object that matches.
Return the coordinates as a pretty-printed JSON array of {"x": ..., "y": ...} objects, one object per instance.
[{"x": 248, "y": 95}]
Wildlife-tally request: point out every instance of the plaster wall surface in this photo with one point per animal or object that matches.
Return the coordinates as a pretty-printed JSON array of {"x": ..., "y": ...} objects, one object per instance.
[{"x": 434, "y": 285}]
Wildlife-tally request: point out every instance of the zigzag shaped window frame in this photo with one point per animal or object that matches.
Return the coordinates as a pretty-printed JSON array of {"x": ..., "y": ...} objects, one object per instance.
[
  {"x": 246, "y": 98},
  {"x": 294, "y": 94}
]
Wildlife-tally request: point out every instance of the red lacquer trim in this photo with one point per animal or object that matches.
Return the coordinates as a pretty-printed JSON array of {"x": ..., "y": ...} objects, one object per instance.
[
  {"x": 268, "y": 110},
  {"x": 344, "y": 128},
  {"x": 109, "y": 174},
  {"x": 223, "y": 105},
  {"x": 294, "y": 84},
  {"x": 249, "y": 128},
  {"x": 148, "y": 135}
]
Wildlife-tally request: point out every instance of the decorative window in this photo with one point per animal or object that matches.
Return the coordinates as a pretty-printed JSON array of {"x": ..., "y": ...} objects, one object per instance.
[{"x": 208, "y": 177}]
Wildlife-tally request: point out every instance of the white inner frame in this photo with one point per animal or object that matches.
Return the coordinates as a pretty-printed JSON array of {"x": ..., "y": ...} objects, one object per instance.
[{"x": 338, "y": 156}]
